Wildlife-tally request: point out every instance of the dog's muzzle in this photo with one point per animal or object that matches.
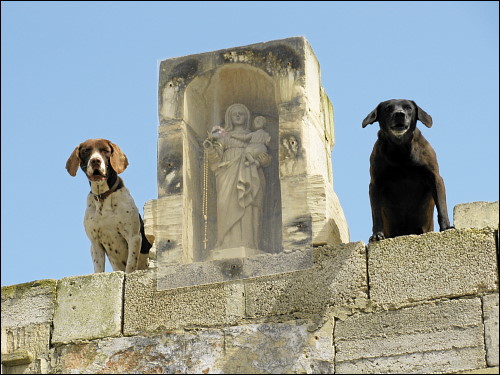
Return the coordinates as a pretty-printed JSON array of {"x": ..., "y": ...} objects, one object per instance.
[{"x": 96, "y": 171}]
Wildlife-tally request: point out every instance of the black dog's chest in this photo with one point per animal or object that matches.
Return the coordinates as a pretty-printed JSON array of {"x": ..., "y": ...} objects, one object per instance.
[{"x": 404, "y": 183}]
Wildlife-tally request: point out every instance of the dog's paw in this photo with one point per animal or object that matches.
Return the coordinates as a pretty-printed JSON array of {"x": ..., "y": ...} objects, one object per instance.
[
  {"x": 379, "y": 236},
  {"x": 447, "y": 228}
]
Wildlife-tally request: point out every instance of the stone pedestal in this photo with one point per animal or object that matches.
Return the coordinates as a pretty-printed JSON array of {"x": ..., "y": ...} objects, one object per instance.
[{"x": 279, "y": 81}]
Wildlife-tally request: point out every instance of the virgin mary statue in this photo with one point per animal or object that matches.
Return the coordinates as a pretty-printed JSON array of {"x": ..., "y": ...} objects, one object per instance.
[{"x": 240, "y": 186}]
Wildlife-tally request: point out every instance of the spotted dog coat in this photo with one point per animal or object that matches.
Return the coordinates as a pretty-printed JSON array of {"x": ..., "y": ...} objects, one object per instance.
[{"x": 112, "y": 221}]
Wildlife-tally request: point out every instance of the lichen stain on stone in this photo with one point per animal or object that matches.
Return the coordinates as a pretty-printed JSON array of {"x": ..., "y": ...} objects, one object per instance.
[{"x": 280, "y": 58}]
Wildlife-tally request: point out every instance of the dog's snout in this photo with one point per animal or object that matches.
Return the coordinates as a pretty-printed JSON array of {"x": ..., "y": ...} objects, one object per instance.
[
  {"x": 95, "y": 162},
  {"x": 399, "y": 115}
]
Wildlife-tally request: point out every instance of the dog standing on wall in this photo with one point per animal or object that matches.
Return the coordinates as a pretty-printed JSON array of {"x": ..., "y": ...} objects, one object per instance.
[
  {"x": 112, "y": 221},
  {"x": 405, "y": 183}
]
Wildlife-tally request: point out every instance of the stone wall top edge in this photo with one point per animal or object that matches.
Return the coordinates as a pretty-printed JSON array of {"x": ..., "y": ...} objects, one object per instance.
[
  {"x": 10, "y": 289},
  {"x": 18, "y": 290}
]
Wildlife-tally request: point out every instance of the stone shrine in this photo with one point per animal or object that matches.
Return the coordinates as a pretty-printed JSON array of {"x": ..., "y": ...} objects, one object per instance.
[{"x": 245, "y": 185}]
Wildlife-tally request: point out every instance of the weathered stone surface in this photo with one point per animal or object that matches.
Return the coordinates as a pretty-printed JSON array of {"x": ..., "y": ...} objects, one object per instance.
[
  {"x": 429, "y": 338},
  {"x": 337, "y": 278},
  {"x": 28, "y": 303},
  {"x": 278, "y": 348},
  {"x": 289, "y": 347},
  {"x": 27, "y": 312},
  {"x": 432, "y": 265},
  {"x": 170, "y": 353},
  {"x": 476, "y": 215},
  {"x": 20, "y": 357},
  {"x": 490, "y": 315},
  {"x": 88, "y": 307},
  {"x": 232, "y": 268},
  {"x": 146, "y": 309},
  {"x": 279, "y": 80}
]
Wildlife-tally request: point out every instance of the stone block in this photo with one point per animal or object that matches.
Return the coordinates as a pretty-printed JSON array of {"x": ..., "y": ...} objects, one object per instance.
[
  {"x": 88, "y": 307},
  {"x": 146, "y": 309},
  {"x": 452, "y": 263},
  {"x": 490, "y": 316},
  {"x": 476, "y": 215},
  {"x": 337, "y": 278},
  {"x": 27, "y": 312},
  {"x": 428, "y": 338},
  {"x": 278, "y": 348},
  {"x": 28, "y": 303}
]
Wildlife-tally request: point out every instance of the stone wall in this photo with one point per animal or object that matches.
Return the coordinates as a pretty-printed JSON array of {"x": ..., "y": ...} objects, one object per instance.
[{"x": 413, "y": 304}]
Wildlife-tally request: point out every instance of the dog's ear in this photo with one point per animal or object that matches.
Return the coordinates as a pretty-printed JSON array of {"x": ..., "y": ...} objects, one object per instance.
[
  {"x": 73, "y": 162},
  {"x": 423, "y": 116},
  {"x": 118, "y": 159},
  {"x": 371, "y": 118}
]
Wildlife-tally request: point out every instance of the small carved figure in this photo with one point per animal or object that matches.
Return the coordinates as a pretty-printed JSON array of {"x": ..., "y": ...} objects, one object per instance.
[
  {"x": 258, "y": 141},
  {"x": 240, "y": 186}
]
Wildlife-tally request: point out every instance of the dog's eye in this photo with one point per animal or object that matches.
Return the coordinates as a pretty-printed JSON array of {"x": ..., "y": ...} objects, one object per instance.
[
  {"x": 85, "y": 151},
  {"x": 407, "y": 108}
]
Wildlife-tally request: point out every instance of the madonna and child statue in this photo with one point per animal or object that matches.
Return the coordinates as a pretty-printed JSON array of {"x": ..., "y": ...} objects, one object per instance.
[{"x": 237, "y": 154}]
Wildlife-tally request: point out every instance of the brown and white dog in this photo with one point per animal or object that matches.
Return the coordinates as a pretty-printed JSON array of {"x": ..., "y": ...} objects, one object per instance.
[{"x": 112, "y": 221}]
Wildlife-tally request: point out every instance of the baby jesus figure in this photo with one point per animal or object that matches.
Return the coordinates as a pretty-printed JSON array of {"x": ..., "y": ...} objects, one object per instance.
[{"x": 257, "y": 141}]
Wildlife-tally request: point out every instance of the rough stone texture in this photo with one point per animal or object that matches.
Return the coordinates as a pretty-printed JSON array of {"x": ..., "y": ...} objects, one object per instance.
[
  {"x": 146, "y": 309},
  {"x": 278, "y": 348},
  {"x": 490, "y": 315},
  {"x": 429, "y": 338},
  {"x": 337, "y": 278},
  {"x": 170, "y": 353},
  {"x": 230, "y": 269},
  {"x": 476, "y": 215},
  {"x": 288, "y": 347},
  {"x": 27, "y": 312},
  {"x": 88, "y": 307},
  {"x": 432, "y": 265},
  {"x": 28, "y": 303}
]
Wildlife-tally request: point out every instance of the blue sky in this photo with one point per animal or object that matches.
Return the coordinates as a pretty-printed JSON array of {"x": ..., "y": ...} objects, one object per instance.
[{"x": 77, "y": 70}]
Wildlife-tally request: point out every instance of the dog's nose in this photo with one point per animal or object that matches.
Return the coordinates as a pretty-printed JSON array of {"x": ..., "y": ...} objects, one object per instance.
[
  {"x": 95, "y": 162},
  {"x": 399, "y": 115}
]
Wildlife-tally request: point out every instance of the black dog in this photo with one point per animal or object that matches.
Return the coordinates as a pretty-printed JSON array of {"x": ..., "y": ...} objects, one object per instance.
[{"x": 405, "y": 182}]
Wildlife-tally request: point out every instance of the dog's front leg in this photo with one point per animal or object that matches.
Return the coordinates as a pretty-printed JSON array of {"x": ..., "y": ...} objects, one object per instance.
[
  {"x": 378, "y": 224},
  {"x": 134, "y": 247},
  {"x": 98, "y": 256},
  {"x": 439, "y": 195}
]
